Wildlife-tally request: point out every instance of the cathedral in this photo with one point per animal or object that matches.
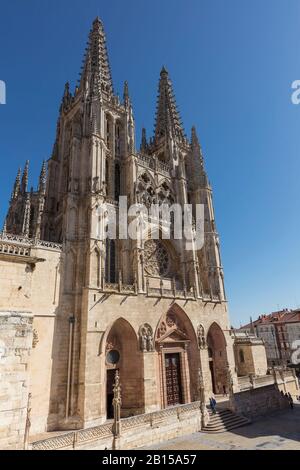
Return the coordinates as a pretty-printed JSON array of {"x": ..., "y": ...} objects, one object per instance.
[{"x": 150, "y": 309}]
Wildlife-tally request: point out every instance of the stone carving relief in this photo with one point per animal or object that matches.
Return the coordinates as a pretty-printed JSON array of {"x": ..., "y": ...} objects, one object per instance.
[
  {"x": 202, "y": 343},
  {"x": 35, "y": 338},
  {"x": 144, "y": 191},
  {"x": 112, "y": 343},
  {"x": 169, "y": 325},
  {"x": 146, "y": 338},
  {"x": 165, "y": 195}
]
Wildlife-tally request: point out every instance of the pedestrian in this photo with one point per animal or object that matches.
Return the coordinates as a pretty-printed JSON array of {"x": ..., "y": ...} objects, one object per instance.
[
  {"x": 212, "y": 405},
  {"x": 224, "y": 391},
  {"x": 291, "y": 402}
]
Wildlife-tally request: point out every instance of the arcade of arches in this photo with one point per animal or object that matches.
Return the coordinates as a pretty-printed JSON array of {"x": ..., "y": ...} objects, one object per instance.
[{"x": 159, "y": 366}]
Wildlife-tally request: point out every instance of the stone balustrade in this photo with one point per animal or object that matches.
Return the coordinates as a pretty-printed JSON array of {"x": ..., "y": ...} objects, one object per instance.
[
  {"x": 20, "y": 245},
  {"x": 250, "y": 382},
  {"x": 154, "y": 164},
  {"x": 171, "y": 420}
]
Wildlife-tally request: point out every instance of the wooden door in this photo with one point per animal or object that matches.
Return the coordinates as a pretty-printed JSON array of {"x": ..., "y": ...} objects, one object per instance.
[{"x": 173, "y": 379}]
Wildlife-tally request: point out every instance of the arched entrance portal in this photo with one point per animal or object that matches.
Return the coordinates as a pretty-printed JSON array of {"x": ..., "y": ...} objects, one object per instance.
[
  {"x": 217, "y": 358},
  {"x": 122, "y": 354},
  {"x": 178, "y": 355}
]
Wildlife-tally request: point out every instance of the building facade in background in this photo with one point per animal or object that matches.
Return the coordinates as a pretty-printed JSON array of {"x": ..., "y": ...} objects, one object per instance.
[{"x": 279, "y": 331}]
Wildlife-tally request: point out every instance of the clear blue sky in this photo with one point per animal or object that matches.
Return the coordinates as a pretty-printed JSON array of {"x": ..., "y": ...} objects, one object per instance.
[{"x": 232, "y": 63}]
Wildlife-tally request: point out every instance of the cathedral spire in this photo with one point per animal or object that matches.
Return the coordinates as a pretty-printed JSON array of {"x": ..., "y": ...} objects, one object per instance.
[
  {"x": 167, "y": 115},
  {"x": 96, "y": 75},
  {"x": 25, "y": 177},
  {"x": 42, "y": 179},
  {"x": 17, "y": 185},
  {"x": 196, "y": 147},
  {"x": 197, "y": 173}
]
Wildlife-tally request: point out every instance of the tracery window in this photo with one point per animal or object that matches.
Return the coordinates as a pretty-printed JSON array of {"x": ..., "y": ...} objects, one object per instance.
[
  {"x": 157, "y": 261},
  {"x": 110, "y": 261},
  {"x": 145, "y": 191},
  {"x": 117, "y": 181}
]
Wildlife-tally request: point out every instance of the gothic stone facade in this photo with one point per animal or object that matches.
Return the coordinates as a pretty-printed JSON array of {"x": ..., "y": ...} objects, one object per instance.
[{"x": 152, "y": 310}]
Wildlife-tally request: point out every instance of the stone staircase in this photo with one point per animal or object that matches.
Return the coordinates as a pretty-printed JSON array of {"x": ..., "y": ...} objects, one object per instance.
[{"x": 224, "y": 420}]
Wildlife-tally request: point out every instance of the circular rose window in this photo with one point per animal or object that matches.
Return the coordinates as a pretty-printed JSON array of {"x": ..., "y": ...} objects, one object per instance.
[
  {"x": 113, "y": 356},
  {"x": 157, "y": 260}
]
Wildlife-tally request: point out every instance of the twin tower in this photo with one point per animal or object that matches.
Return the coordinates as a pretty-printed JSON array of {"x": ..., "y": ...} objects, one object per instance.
[{"x": 95, "y": 159}]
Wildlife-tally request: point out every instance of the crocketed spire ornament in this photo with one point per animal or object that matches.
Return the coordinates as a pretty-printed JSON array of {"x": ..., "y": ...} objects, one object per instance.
[
  {"x": 167, "y": 116},
  {"x": 96, "y": 76},
  {"x": 24, "y": 183},
  {"x": 17, "y": 185},
  {"x": 42, "y": 179}
]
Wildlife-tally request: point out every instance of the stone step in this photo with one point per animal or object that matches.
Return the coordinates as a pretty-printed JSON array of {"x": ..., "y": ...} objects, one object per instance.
[
  {"x": 216, "y": 418},
  {"x": 224, "y": 420},
  {"x": 224, "y": 424}
]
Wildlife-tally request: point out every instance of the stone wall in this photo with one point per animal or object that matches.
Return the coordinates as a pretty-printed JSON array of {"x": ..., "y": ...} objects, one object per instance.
[
  {"x": 259, "y": 401},
  {"x": 15, "y": 345},
  {"x": 29, "y": 281}
]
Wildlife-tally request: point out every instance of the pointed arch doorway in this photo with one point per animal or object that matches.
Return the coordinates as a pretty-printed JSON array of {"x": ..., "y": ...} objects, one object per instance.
[
  {"x": 217, "y": 356},
  {"x": 176, "y": 345},
  {"x": 122, "y": 354}
]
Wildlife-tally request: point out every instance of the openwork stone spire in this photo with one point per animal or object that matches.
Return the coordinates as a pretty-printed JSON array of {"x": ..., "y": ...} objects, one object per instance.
[
  {"x": 167, "y": 116},
  {"x": 96, "y": 75}
]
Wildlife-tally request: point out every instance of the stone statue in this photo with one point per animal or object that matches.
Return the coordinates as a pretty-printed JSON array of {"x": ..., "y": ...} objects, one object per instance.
[
  {"x": 149, "y": 341},
  {"x": 201, "y": 337},
  {"x": 146, "y": 338},
  {"x": 143, "y": 341}
]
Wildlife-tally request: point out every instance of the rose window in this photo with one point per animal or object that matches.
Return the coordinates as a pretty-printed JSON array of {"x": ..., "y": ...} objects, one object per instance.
[{"x": 156, "y": 258}]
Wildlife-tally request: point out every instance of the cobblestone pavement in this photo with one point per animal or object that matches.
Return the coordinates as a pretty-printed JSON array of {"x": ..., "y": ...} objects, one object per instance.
[{"x": 279, "y": 431}]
